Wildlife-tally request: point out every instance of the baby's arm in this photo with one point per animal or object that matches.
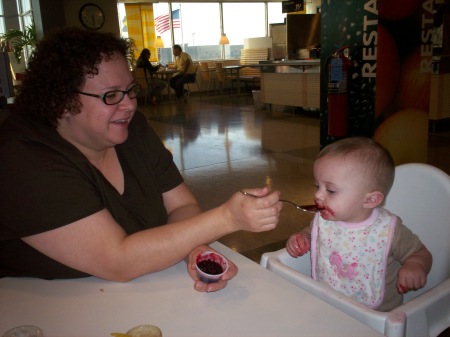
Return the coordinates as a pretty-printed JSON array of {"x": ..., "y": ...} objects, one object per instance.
[
  {"x": 299, "y": 243},
  {"x": 412, "y": 275}
]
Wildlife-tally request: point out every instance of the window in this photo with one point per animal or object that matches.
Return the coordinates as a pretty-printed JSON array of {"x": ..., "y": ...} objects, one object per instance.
[
  {"x": 162, "y": 28},
  {"x": 242, "y": 20},
  {"x": 25, "y": 13},
  {"x": 275, "y": 13},
  {"x": 2, "y": 19},
  {"x": 200, "y": 29},
  {"x": 196, "y": 26},
  {"x": 25, "y": 20},
  {"x": 122, "y": 20}
]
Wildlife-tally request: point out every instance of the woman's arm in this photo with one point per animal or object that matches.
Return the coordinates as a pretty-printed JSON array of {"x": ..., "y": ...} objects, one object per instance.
[
  {"x": 98, "y": 246},
  {"x": 180, "y": 203}
]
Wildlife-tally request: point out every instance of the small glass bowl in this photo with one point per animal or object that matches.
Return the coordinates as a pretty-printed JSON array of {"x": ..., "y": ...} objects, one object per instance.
[
  {"x": 145, "y": 331},
  {"x": 24, "y": 331}
]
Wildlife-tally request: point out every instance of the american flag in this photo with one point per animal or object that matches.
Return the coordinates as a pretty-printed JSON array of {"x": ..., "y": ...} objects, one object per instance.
[{"x": 162, "y": 22}]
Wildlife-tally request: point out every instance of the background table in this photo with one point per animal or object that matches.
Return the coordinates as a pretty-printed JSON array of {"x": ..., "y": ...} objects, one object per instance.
[
  {"x": 167, "y": 74},
  {"x": 235, "y": 69},
  {"x": 256, "y": 303}
]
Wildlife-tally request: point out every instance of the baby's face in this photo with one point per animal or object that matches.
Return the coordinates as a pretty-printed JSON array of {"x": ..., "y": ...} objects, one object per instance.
[{"x": 341, "y": 188}]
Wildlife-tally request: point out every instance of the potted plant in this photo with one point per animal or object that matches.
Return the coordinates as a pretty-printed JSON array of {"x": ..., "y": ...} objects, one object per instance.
[
  {"x": 132, "y": 57},
  {"x": 20, "y": 40}
]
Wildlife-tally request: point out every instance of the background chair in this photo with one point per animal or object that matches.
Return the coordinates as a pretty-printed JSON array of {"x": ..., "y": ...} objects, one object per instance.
[
  {"x": 206, "y": 75},
  {"x": 140, "y": 78},
  {"x": 221, "y": 75},
  {"x": 421, "y": 197},
  {"x": 193, "y": 82}
]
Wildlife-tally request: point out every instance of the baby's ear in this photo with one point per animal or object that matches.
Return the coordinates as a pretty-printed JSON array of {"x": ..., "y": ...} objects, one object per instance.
[{"x": 373, "y": 199}]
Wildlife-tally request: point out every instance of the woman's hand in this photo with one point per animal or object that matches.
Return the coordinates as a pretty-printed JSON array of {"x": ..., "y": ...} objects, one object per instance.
[
  {"x": 257, "y": 213},
  {"x": 208, "y": 287}
]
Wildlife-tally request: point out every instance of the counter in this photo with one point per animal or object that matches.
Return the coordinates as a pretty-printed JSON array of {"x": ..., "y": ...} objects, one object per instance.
[
  {"x": 291, "y": 63},
  {"x": 291, "y": 82}
]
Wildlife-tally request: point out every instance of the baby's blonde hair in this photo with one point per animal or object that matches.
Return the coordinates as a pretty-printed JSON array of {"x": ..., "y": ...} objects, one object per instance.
[{"x": 374, "y": 159}]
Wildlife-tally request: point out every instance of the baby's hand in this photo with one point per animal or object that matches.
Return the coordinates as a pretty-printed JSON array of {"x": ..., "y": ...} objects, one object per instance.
[
  {"x": 298, "y": 244},
  {"x": 411, "y": 276}
]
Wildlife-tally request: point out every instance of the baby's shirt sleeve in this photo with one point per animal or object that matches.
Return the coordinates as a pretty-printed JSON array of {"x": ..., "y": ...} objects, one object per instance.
[{"x": 404, "y": 242}]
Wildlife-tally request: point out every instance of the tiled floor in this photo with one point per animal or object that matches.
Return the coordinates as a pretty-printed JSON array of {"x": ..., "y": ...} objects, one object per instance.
[{"x": 222, "y": 145}]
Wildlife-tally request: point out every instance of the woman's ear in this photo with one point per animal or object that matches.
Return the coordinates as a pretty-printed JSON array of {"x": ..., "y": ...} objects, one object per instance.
[
  {"x": 373, "y": 199},
  {"x": 65, "y": 114}
]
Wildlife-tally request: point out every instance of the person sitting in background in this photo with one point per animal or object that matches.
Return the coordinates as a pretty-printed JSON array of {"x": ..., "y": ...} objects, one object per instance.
[
  {"x": 357, "y": 247},
  {"x": 185, "y": 66},
  {"x": 90, "y": 187},
  {"x": 157, "y": 85}
]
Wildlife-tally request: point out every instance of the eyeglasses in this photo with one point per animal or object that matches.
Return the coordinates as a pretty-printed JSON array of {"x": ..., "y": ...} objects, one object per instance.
[{"x": 116, "y": 96}]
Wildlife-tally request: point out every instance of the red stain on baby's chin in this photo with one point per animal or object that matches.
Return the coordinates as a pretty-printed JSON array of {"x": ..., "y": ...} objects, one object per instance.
[{"x": 326, "y": 213}]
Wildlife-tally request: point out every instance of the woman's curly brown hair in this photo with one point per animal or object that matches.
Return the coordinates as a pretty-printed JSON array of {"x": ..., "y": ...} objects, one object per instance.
[{"x": 59, "y": 67}]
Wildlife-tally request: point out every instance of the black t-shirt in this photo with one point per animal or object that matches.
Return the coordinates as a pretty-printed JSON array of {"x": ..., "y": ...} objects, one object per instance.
[{"x": 48, "y": 183}]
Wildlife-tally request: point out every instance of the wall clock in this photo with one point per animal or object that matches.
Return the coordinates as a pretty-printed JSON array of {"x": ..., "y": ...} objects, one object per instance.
[{"x": 92, "y": 16}]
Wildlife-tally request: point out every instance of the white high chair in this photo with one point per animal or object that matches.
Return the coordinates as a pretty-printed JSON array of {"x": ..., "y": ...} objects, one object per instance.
[{"x": 420, "y": 196}]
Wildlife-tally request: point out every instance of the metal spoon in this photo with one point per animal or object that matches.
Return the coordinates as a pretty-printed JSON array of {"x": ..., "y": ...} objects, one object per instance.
[{"x": 304, "y": 208}]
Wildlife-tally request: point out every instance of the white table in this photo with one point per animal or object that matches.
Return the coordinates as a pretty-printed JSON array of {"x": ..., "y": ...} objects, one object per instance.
[{"x": 256, "y": 303}]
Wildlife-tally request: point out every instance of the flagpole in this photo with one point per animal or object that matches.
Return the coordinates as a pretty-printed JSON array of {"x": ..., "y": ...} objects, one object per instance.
[
  {"x": 181, "y": 24},
  {"x": 221, "y": 29},
  {"x": 171, "y": 25}
]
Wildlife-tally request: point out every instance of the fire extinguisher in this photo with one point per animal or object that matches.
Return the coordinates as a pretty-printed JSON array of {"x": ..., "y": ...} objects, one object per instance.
[{"x": 338, "y": 66}]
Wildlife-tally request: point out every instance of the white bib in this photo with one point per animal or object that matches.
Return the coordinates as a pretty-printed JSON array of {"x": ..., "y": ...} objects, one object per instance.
[{"x": 352, "y": 257}]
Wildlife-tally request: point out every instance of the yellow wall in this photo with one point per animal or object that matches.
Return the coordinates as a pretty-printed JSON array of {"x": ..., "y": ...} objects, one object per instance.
[{"x": 141, "y": 27}]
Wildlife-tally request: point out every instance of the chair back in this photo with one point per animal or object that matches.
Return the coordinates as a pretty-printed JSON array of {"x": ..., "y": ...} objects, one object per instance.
[
  {"x": 220, "y": 72},
  {"x": 196, "y": 70},
  {"x": 194, "y": 80},
  {"x": 140, "y": 78},
  {"x": 204, "y": 71},
  {"x": 420, "y": 196}
]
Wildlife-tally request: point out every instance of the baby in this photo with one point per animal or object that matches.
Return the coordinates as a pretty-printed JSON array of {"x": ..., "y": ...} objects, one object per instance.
[{"x": 357, "y": 247}]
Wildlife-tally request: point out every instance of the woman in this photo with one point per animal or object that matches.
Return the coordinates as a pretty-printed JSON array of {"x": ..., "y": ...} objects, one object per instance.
[
  {"x": 156, "y": 84},
  {"x": 91, "y": 189}
]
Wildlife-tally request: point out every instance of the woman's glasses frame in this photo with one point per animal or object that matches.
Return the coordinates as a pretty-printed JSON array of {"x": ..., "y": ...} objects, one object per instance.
[{"x": 113, "y": 97}]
